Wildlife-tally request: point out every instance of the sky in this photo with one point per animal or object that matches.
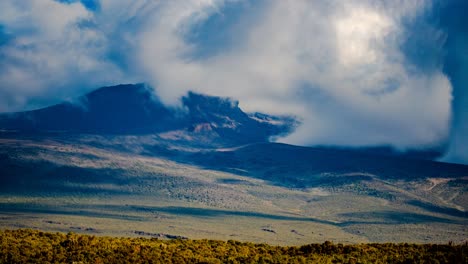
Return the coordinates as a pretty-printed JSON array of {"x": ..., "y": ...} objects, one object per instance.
[{"x": 355, "y": 73}]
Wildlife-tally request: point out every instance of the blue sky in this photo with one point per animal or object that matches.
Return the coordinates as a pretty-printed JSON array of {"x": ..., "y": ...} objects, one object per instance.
[{"x": 357, "y": 73}]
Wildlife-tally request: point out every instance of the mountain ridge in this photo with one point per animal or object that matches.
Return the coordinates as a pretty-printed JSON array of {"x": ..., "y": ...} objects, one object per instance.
[{"x": 134, "y": 109}]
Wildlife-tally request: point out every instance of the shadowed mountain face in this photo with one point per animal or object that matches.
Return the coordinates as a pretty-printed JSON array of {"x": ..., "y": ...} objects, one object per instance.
[
  {"x": 305, "y": 166},
  {"x": 117, "y": 109},
  {"x": 133, "y": 109}
]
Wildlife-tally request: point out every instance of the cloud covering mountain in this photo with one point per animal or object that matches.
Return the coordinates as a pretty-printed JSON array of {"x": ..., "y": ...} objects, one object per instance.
[{"x": 357, "y": 73}]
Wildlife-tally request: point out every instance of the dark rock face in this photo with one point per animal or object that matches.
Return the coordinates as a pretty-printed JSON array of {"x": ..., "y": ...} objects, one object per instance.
[
  {"x": 133, "y": 109},
  {"x": 226, "y": 119}
]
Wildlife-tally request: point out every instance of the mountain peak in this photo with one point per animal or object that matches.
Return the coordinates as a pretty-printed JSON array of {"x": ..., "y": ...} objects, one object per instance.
[{"x": 134, "y": 109}]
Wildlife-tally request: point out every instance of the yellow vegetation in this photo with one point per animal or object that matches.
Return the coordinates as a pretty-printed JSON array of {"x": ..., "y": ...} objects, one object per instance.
[{"x": 31, "y": 246}]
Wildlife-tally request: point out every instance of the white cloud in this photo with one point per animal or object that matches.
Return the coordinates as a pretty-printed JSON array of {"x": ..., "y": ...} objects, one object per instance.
[
  {"x": 54, "y": 53},
  {"x": 335, "y": 64}
]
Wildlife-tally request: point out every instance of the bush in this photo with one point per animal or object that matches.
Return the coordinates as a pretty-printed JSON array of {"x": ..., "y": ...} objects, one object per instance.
[{"x": 31, "y": 246}]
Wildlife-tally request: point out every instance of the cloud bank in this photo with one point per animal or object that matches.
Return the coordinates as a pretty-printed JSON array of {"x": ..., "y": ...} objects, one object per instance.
[
  {"x": 453, "y": 20},
  {"x": 340, "y": 66}
]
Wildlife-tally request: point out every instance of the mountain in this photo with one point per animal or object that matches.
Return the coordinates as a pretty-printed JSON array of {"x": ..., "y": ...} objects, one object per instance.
[
  {"x": 117, "y": 161},
  {"x": 134, "y": 109},
  {"x": 117, "y": 109}
]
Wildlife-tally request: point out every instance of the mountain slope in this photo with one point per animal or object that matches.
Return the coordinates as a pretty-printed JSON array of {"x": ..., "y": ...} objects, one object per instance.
[
  {"x": 119, "y": 162},
  {"x": 271, "y": 160},
  {"x": 260, "y": 192}
]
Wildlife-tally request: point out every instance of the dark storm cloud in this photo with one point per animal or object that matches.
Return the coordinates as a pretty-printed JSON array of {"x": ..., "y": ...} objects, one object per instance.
[{"x": 451, "y": 17}]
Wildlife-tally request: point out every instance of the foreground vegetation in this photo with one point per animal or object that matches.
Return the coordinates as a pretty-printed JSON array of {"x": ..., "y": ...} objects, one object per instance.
[{"x": 31, "y": 246}]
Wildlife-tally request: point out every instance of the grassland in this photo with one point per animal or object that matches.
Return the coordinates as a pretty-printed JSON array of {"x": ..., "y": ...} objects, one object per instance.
[{"x": 143, "y": 186}]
